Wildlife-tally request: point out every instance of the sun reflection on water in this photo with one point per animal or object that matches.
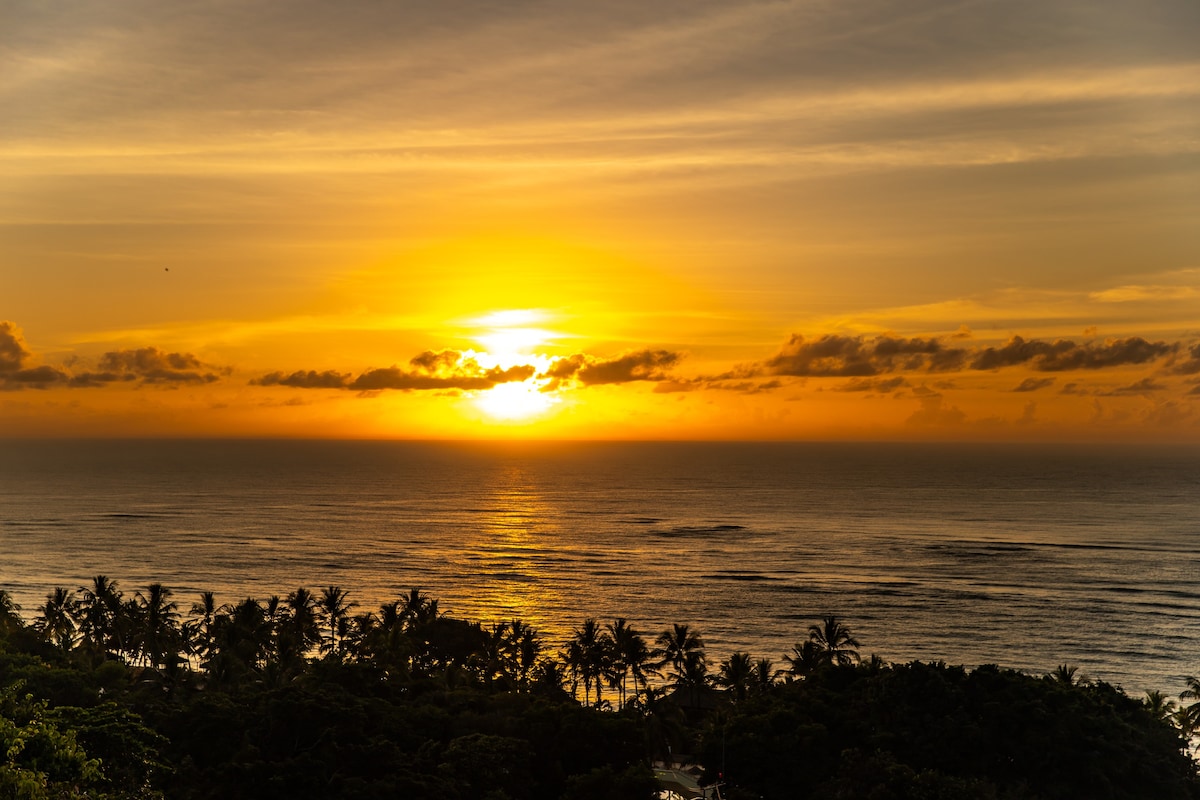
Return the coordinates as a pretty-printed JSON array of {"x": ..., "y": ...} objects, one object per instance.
[{"x": 513, "y": 548}]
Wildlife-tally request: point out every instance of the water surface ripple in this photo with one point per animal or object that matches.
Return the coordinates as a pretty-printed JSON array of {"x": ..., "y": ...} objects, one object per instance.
[{"x": 1027, "y": 556}]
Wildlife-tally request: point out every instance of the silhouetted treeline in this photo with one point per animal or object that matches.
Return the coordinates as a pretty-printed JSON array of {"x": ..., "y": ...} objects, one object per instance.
[{"x": 110, "y": 695}]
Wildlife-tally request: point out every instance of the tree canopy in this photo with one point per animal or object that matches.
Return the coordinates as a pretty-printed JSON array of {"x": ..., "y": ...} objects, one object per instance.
[{"x": 106, "y": 695}]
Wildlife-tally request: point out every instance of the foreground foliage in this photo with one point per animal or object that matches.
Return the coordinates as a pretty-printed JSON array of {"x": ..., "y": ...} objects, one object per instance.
[
  {"x": 930, "y": 731},
  {"x": 109, "y": 696}
]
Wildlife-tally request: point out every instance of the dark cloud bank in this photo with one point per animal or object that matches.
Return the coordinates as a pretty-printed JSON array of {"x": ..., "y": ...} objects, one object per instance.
[
  {"x": 873, "y": 364},
  {"x": 146, "y": 365},
  {"x": 832, "y": 355},
  {"x": 452, "y": 370}
]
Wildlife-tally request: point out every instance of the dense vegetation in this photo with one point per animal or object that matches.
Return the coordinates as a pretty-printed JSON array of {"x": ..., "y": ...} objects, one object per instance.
[{"x": 104, "y": 695}]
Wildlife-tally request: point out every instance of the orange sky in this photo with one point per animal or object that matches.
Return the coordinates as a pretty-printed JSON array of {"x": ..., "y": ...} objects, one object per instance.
[{"x": 784, "y": 220}]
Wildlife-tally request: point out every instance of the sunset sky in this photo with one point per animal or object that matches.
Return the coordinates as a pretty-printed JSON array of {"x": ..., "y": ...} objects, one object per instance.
[{"x": 709, "y": 220}]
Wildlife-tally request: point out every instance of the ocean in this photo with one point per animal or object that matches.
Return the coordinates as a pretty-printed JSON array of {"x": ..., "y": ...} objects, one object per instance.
[{"x": 1026, "y": 556}]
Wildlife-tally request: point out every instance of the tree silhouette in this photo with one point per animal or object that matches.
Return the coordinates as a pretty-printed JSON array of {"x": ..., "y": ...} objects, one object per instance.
[
  {"x": 834, "y": 642},
  {"x": 297, "y": 631},
  {"x": 804, "y": 659},
  {"x": 10, "y": 613},
  {"x": 157, "y": 631},
  {"x": 1188, "y": 717},
  {"x": 418, "y": 608},
  {"x": 677, "y": 647},
  {"x": 631, "y": 657},
  {"x": 1158, "y": 705},
  {"x": 589, "y": 657},
  {"x": 664, "y": 723},
  {"x": 523, "y": 648},
  {"x": 242, "y": 639},
  {"x": 334, "y": 607},
  {"x": 56, "y": 618},
  {"x": 200, "y": 629},
  {"x": 1067, "y": 675},
  {"x": 102, "y": 616},
  {"x": 763, "y": 676},
  {"x": 737, "y": 674}
]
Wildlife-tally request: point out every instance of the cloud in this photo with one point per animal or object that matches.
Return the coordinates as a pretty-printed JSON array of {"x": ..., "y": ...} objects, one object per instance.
[
  {"x": 934, "y": 412},
  {"x": 1135, "y": 293},
  {"x": 1142, "y": 387},
  {"x": 439, "y": 370},
  {"x": 310, "y": 379},
  {"x": 565, "y": 367},
  {"x": 455, "y": 371},
  {"x": 393, "y": 378},
  {"x": 833, "y": 355},
  {"x": 434, "y": 362},
  {"x": 15, "y": 373},
  {"x": 840, "y": 356},
  {"x": 1167, "y": 414},
  {"x": 94, "y": 380},
  {"x": 963, "y": 332},
  {"x": 881, "y": 385},
  {"x": 640, "y": 365},
  {"x": 744, "y": 387},
  {"x": 146, "y": 364},
  {"x": 32, "y": 378},
  {"x": 672, "y": 387},
  {"x": 1033, "y": 384},
  {"x": 1063, "y": 354},
  {"x": 13, "y": 352},
  {"x": 151, "y": 365},
  {"x": 1189, "y": 365}
]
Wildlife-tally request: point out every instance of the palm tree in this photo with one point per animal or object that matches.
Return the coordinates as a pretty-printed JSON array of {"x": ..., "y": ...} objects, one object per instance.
[
  {"x": 272, "y": 609},
  {"x": 204, "y": 611},
  {"x": 334, "y": 608},
  {"x": 158, "y": 636},
  {"x": 1158, "y": 705},
  {"x": 589, "y": 658},
  {"x": 56, "y": 618},
  {"x": 1186, "y": 722},
  {"x": 102, "y": 620},
  {"x": 241, "y": 643},
  {"x": 834, "y": 642},
  {"x": 298, "y": 630},
  {"x": 388, "y": 643},
  {"x": 1066, "y": 674},
  {"x": 523, "y": 647},
  {"x": 10, "y": 613},
  {"x": 9, "y": 608},
  {"x": 677, "y": 646},
  {"x": 356, "y": 632},
  {"x": 629, "y": 655},
  {"x": 763, "y": 676},
  {"x": 694, "y": 676},
  {"x": 805, "y": 658},
  {"x": 737, "y": 673},
  {"x": 418, "y": 608},
  {"x": 492, "y": 660},
  {"x": 1188, "y": 717},
  {"x": 390, "y": 615}
]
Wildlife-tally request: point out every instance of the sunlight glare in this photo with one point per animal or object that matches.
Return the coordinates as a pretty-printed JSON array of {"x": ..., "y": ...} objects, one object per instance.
[{"x": 513, "y": 401}]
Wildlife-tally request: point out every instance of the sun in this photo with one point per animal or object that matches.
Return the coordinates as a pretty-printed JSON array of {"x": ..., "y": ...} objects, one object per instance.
[
  {"x": 515, "y": 401},
  {"x": 509, "y": 338}
]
